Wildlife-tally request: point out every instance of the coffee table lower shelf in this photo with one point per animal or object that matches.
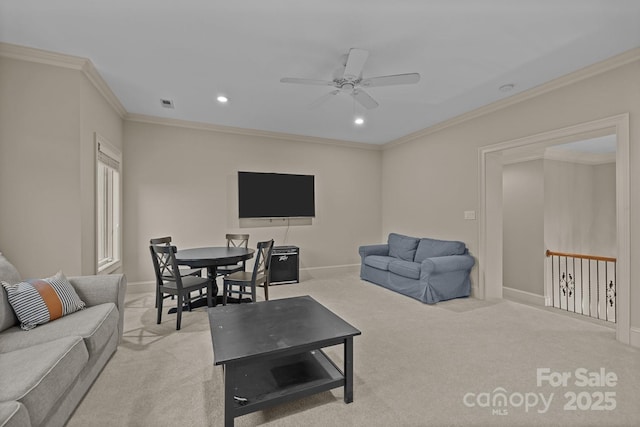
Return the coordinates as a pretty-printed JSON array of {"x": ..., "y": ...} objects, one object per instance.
[{"x": 264, "y": 383}]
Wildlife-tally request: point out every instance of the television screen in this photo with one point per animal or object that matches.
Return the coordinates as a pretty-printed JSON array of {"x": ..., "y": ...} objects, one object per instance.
[{"x": 274, "y": 195}]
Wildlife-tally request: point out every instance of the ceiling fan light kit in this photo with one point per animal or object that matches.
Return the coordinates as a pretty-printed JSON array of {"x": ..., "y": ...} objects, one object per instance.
[{"x": 351, "y": 81}]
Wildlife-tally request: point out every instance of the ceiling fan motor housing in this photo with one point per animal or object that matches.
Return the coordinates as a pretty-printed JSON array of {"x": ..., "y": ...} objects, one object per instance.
[{"x": 346, "y": 84}]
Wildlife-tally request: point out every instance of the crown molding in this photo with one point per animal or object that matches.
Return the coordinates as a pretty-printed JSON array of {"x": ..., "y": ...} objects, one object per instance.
[
  {"x": 142, "y": 118},
  {"x": 40, "y": 56},
  {"x": 87, "y": 68},
  {"x": 568, "y": 79},
  {"x": 522, "y": 159},
  {"x": 567, "y": 156},
  {"x": 101, "y": 86},
  {"x": 83, "y": 65},
  {"x": 583, "y": 158}
]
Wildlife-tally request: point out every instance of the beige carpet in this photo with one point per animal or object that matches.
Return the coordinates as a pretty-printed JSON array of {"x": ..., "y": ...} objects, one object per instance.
[{"x": 415, "y": 365}]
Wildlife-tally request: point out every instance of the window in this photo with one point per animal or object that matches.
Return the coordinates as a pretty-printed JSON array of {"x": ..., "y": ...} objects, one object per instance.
[{"x": 108, "y": 203}]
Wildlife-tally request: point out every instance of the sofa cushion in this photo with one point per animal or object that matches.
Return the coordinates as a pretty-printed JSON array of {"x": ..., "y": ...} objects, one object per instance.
[
  {"x": 429, "y": 248},
  {"x": 39, "y": 301},
  {"x": 9, "y": 274},
  {"x": 405, "y": 268},
  {"x": 380, "y": 262},
  {"x": 41, "y": 374},
  {"x": 402, "y": 247},
  {"x": 94, "y": 324}
]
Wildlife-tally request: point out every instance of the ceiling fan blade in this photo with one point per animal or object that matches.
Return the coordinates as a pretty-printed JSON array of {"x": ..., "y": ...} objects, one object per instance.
[
  {"x": 306, "y": 81},
  {"x": 397, "y": 79},
  {"x": 318, "y": 102},
  {"x": 355, "y": 63},
  {"x": 364, "y": 99}
]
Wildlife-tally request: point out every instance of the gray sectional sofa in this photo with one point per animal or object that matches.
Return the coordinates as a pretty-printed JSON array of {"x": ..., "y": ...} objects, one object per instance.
[
  {"x": 46, "y": 371},
  {"x": 428, "y": 270}
]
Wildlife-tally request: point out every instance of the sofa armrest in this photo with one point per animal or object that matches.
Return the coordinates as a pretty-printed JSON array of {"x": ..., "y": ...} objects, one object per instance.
[
  {"x": 13, "y": 414},
  {"x": 94, "y": 290},
  {"x": 446, "y": 264},
  {"x": 382, "y": 249}
]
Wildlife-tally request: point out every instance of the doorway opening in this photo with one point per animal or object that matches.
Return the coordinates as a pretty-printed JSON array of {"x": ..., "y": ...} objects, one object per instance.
[
  {"x": 559, "y": 227},
  {"x": 491, "y": 159}
]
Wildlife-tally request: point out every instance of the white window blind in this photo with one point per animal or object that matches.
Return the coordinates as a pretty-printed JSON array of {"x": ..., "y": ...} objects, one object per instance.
[{"x": 107, "y": 159}]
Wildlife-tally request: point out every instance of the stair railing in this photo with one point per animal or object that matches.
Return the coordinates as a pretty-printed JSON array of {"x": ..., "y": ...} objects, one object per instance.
[{"x": 584, "y": 284}]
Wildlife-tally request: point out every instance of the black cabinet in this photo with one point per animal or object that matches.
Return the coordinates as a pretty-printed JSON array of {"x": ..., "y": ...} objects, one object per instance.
[{"x": 285, "y": 265}]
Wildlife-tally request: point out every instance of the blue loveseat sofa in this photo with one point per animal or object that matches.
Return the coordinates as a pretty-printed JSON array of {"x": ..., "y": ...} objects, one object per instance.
[{"x": 428, "y": 270}]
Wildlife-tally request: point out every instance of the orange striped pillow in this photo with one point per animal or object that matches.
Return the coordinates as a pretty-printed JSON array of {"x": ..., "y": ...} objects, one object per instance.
[{"x": 39, "y": 301}]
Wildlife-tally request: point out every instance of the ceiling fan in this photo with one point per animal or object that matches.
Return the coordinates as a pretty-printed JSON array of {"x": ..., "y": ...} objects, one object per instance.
[{"x": 351, "y": 80}]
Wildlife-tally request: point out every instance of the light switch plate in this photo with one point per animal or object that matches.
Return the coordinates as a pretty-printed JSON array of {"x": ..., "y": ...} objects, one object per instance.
[{"x": 469, "y": 214}]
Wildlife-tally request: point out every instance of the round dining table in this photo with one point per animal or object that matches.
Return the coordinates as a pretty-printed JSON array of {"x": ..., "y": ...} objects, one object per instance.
[{"x": 211, "y": 258}]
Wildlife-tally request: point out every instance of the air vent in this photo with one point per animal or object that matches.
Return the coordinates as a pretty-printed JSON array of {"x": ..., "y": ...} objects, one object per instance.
[
  {"x": 506, "y": 88},
  {"x": 166, "y": 103}
]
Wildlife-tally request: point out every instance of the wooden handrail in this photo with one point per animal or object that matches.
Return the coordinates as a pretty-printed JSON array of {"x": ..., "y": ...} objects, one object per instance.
[{"x": 581, "y": 256}]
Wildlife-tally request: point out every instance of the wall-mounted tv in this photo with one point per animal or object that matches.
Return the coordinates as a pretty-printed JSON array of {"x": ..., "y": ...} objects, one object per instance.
[{"x": 275, "y": 195}]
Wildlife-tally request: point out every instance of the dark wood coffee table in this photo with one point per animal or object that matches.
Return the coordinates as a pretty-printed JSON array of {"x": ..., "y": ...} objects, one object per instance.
[{"x": 271, "y": 352}]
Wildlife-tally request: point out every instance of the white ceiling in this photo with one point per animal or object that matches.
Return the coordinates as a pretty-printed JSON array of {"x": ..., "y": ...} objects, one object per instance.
[{"x": 190, "y": 51}]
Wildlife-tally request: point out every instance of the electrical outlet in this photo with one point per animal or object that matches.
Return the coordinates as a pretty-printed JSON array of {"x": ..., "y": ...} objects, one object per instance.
[{"x": 469, "y": 214}]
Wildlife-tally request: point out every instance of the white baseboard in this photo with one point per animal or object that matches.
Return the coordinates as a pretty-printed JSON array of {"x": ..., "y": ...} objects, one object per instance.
[
  {"x": 327, "y": 272},
  {"x": 139, "y": 287},
  {"x": 523, "y": 296},
  {"x": 634, "y": 337},
  {"x": 305, "y": 274},
  {"x": 475, "y": 292}
]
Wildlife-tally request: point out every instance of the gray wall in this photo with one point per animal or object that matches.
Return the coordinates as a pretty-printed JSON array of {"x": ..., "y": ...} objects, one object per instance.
[
  {"x": 523, "y": 226},
  {"x": 580, "y": 208},
  {"x": 48, "y": 117},
  {"x": 557, "y": 205},
  {"x": 183, "y": 182}
]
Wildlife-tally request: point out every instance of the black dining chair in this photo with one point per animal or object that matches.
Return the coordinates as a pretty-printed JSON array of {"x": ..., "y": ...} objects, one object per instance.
[
  {"x": 238, "y": 282},
  {"x": 234, "y": 241},
  {"x": 169, "y": 281},
  {"x": 184, "y": 271}
]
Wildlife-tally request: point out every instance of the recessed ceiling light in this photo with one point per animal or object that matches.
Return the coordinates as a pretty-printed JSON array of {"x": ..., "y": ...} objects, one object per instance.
[
  {"x": 222, "y": 99},
  {"x": 359, "y": 121},
  {"x": 507, "y": 87},
  {"x": 166, "y": 103}
]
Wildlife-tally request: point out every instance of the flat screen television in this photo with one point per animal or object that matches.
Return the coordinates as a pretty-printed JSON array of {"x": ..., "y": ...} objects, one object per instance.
[{"x": 275, "y": 195}]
